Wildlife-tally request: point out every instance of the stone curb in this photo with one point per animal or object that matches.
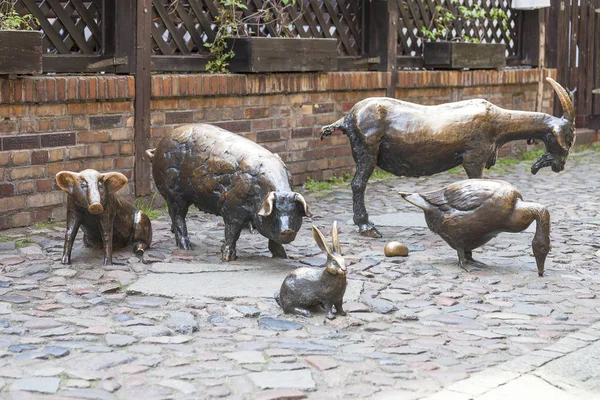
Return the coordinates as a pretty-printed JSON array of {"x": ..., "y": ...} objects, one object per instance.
[{"x": 493, "y": 377}]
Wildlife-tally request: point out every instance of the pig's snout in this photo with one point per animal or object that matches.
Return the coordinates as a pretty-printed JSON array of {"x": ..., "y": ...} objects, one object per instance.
[
  {"x": 96, "y": 208},
  {"x": 286, "y": 236}
]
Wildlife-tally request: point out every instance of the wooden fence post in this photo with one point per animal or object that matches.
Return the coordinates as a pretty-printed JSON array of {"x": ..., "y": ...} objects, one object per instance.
[
  {"x": 143, "y": 67},
  {"x": 382, "y": 37}
]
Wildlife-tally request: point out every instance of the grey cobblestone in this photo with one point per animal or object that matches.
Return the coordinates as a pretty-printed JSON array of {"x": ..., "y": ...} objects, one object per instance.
[{"x": 416, "y": 326}]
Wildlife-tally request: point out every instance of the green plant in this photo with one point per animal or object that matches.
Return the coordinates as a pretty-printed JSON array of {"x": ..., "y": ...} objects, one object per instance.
[
  {"x": 10, "y": 20},
  {"x": 44, "y": 224},
  {"x": 234, "y": 21},
  {"x": 23, "y": 242},
  {"x": 147, "y": 206},
  {"x": 448, "y": 22},
  {"x": 381, "y": 174}
]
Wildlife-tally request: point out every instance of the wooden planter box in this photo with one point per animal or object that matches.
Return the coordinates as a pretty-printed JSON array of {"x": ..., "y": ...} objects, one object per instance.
[
  {"x": 20, "y": 52},
  {"x": 262, "y": 54},
  {"x": 459, "y": 55}
]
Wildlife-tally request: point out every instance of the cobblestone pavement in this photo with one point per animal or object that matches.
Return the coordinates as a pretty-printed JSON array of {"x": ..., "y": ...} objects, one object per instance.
[{"x": 184, "y": 325}]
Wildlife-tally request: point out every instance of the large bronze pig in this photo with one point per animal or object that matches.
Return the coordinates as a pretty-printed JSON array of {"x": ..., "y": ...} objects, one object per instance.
[
  {"x": 409, "y": 139},
  {"x": 225, "y": 174},
  {"x": 106, "y": 219}
]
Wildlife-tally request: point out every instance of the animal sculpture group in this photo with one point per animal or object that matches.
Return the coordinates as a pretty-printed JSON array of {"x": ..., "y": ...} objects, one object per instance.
[{"x": 227, "y": 175}]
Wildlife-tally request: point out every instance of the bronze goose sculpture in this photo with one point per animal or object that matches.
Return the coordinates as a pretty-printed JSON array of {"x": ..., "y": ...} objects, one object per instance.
[{"x": 469, "y": 213}]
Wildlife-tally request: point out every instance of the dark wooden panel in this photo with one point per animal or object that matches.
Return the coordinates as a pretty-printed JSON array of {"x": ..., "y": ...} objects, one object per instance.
[
  {"x": 20, "y": 52},
  {"x": 530, "y": 31},
  {"x": 143, "y": 91},
  {"x": 191, "y": 63},
  {"x": 464, "y": 55},
  {"x": 283, "y": 55},
  {"x": 72, "y": 63}
]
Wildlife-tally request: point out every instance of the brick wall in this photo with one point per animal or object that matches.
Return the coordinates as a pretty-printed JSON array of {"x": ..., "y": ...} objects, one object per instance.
[{"x": 49, "y": 124}]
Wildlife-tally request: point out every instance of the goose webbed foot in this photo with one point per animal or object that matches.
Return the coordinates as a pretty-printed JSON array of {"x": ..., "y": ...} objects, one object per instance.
[{"x": 471, "y": 261}]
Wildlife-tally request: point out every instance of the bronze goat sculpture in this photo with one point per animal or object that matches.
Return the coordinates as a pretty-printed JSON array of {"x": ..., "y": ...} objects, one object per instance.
[{"x": 408, "y": 139}]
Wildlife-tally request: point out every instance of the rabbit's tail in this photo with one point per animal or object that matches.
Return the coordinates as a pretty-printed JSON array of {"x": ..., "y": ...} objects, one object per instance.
[{"x": 277, "y": 297}]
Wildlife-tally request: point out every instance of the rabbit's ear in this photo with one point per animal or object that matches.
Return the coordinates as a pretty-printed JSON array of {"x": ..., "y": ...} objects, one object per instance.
[
  {"x": 320, "y": 239},
  {"x": 335, "y": 239}
]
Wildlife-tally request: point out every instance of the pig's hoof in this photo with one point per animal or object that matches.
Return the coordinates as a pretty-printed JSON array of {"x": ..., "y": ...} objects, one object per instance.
[
  {"x": 369, "y": 230},
  {"x": 330, "y": 315},
  {"x": 138, "y": 249},
  {"x": 277, "y": 249},
  {"x": 66, "y": 260},
  {"x": 185, "y": 245},
  {"x": 228, "y": 255}
]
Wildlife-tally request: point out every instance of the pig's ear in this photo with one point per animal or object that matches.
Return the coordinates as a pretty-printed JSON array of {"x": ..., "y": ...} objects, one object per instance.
[
  {"x": 266, "y": 208},
  {"x": 114, "y": 181},
  {"x": 299, "y": 198},
  {"x": 320, "y": 239},
  {"x": 67, "y": 180}
]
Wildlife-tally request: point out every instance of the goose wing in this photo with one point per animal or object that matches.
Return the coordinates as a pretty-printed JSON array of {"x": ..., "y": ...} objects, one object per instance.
[{"x": 465, "y": 195}]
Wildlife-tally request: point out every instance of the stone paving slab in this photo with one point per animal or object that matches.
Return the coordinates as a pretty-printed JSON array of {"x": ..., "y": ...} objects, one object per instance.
[
  {"x": 184, "y": 325},
  {"x": 258, "y": 281}
]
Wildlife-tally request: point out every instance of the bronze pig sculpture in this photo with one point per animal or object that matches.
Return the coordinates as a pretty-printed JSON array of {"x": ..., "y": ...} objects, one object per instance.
[
  {"x": 106, "y": 219},
  {"x": 225, "y": 174},
  {"x": 309, "y": 287},
  {"x": 408, "y": 139},
  {"x": 468, "y": 214}
]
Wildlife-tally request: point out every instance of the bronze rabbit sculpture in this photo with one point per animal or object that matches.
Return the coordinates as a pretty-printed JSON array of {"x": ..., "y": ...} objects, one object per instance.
[{"x": 308, "y": 287}]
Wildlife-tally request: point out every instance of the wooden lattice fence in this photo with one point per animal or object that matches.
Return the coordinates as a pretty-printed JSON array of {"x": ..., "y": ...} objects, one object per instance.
[
  {"x": 80, "y": 33},
  {"x": 183, "y": 27},
  {"x": 416, "y": 14}
]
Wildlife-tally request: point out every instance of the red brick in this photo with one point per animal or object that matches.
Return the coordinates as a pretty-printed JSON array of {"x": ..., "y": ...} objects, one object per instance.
[
  {"x": 71, "y": 88},
  {"x": 124, "y": 162},
  {"x": 44, "y": 185},
  {"x": 92, "y": 83},
  {"x": 41, "y": 215},
  {"x": 39, "y": 94},
  {"x": 61, "y": 89},
  {"x": 18, "y": 90},
  {"x": 166, "y": 86},
  {"x": 257, "y": 112},
  {"x": 183, "y": 85},
  {"x": 83, "y": 88},
  {"x": 111, "y": 86},
  {"x": 156, "y": 86},
  {"x": 102, "y": 87},
  {"x": 268, "y": 136},
  {"x": 39, "y": 157},
  {"x": 110, "y": 149},
  {"x": 54, "y": 169},
  {"x": 130, "y": 87},
  {"x": 50, "y": 93},
  {"x": 122, "y": 86},
  {"x": 93, "y": 137},
  {"x": 6, "y": 189}
]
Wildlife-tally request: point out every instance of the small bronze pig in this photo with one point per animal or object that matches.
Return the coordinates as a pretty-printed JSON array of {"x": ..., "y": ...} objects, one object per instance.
[
  {"x": 468, "y": 214},
  {"x": 106, "y": 219},
  {"x": 225, "y": 174},
  {"x": 309, "y": 287}
]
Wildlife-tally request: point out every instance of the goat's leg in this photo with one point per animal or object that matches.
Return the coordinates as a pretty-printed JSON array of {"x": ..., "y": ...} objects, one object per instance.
[
  {"x": 365, "y": 164},
  {"x": 473, "y": 166}
]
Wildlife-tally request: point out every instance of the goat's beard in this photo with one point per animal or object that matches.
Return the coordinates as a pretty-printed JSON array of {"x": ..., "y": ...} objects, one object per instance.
[{"x": 547, "y": 160}]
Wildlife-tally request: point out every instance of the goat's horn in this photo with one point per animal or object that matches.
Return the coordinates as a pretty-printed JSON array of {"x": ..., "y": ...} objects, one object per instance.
[{"x": 565, "y": 99}]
